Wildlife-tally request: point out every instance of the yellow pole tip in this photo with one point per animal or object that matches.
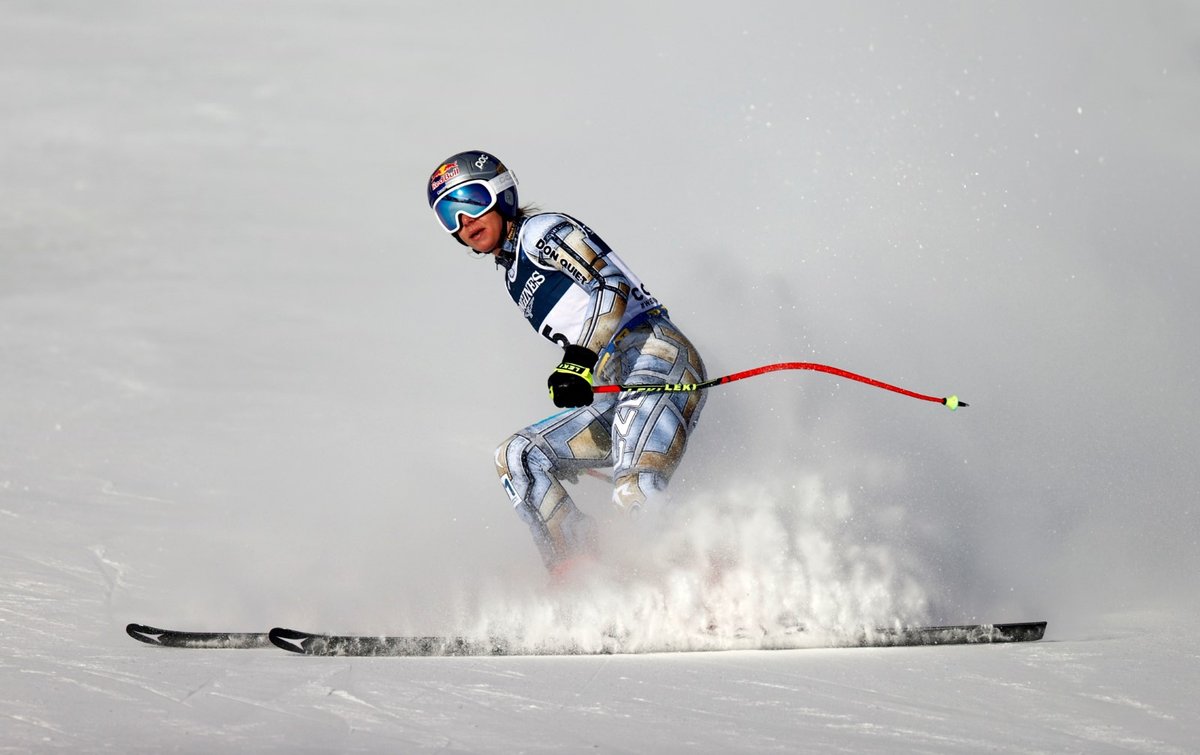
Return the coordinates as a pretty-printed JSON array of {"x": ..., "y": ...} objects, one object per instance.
[{"x": 951, "y": 402}]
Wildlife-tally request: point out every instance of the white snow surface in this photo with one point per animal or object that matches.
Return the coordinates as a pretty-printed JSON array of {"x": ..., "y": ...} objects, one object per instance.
[{"x": 246, "y": 381}]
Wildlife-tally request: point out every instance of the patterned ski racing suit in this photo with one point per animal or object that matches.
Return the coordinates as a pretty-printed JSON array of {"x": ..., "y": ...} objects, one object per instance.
[{"x": 573, "y": 289}]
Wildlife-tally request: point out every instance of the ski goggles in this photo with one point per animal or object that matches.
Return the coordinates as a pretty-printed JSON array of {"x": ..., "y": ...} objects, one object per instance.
[{"x": 473, "y": 199}]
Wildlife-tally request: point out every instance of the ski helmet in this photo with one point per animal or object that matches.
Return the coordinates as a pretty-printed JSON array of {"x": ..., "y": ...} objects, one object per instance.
[{"x": 471, "y": 183}]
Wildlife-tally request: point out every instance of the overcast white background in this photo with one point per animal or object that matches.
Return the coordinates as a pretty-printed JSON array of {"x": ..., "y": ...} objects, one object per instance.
[{"x": 246, "y": 380}]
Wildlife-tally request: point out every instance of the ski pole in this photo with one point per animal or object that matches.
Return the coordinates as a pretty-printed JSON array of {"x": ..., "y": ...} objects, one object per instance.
[{"x": 950, "y": 402}]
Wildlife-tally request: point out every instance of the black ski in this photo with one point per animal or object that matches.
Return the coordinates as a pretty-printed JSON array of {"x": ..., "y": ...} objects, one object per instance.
[
  {"x": 324, "y": 644},
  {"x": 962, "y": 634},
  {"x": 172, "y": 638},
  {"x": 366, "y": 645}
]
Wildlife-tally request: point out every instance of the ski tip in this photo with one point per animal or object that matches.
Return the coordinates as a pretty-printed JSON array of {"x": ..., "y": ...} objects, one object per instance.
[
  {"x": 291, "y": 640},
  {"x": 147, "y": 634},
  {"x": 1030, "y": 631}
]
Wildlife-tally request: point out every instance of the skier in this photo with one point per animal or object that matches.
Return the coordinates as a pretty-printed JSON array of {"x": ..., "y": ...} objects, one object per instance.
[{"x": 577, "y": 293}]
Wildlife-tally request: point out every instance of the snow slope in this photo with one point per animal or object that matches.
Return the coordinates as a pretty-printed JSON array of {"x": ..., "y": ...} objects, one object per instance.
[{"x": 245, "y": 381}]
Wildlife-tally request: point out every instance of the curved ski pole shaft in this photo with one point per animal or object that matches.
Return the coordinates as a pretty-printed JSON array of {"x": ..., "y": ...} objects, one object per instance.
[{"x": 951, "y": 402}]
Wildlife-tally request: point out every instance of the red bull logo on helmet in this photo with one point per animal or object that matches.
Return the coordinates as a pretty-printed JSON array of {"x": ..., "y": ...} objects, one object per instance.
[{"x": 444, "y": 173}]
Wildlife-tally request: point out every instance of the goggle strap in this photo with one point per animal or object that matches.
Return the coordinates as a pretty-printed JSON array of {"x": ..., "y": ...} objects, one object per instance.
[{"x": 503, "y": 182}]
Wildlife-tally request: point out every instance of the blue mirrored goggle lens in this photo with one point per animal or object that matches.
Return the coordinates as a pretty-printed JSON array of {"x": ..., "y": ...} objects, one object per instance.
[{"x": 472, "y": 200}]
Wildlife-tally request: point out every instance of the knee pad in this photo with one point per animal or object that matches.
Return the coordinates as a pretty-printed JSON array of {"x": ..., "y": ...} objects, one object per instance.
[
  {"x": 525, "y": 475},
  {"x": 632, "y": 490}
]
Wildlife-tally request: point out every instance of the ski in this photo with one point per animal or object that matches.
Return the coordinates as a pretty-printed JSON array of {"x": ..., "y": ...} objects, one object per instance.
[
  {"x": 307, "y": 643},
  {"x": 366, "y": 645},
  {"x": 173, "y": 638},
  {"x": 962, "y": 634}
]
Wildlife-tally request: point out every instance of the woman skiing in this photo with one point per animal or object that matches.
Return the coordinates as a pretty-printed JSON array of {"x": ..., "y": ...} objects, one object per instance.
[{"x": 577, "y": 293}]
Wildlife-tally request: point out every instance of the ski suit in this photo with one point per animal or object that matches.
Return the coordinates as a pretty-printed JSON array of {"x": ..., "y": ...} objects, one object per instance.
[{"x": 573, "y": 289}]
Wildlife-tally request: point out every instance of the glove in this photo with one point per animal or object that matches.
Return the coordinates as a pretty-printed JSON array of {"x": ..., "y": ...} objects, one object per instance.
[{"x": 571, "y": 382}]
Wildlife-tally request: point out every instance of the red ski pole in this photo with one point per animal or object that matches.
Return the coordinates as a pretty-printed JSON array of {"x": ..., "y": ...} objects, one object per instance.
[{"x": 950, "y": 402}]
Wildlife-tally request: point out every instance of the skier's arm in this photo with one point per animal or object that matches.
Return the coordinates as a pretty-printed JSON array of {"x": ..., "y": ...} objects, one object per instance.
[{"x": 567, "y": 247}]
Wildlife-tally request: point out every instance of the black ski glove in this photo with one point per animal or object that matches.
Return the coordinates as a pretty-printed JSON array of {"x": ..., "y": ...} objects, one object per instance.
[{"x": 571, "y": 382}]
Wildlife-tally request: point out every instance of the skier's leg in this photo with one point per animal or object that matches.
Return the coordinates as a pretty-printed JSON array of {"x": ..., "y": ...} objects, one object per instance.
[
  {"x": 532, "y": 465},
  {"x": 650, "y": 431}
]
